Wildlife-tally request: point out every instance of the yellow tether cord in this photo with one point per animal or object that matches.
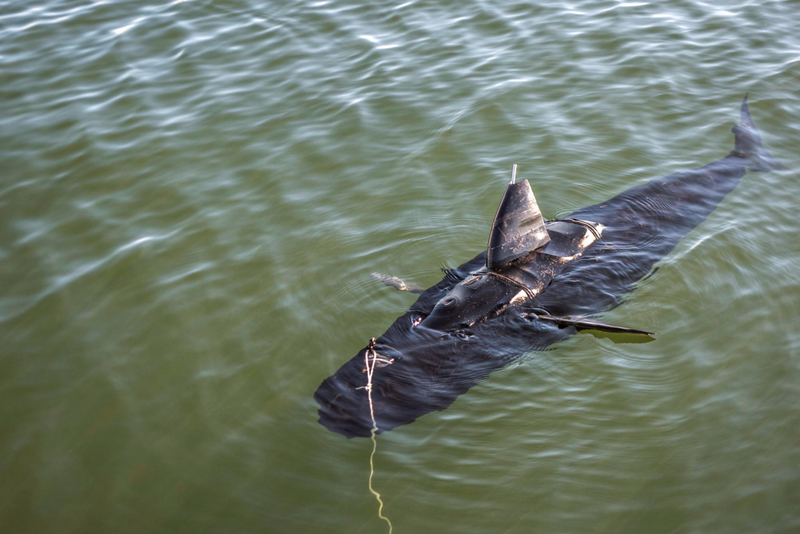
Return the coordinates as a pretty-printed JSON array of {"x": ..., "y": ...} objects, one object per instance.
[{"x": 370, "y": 369}]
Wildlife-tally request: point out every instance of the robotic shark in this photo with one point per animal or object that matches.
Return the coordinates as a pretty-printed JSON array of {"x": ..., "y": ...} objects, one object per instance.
[{"x": 537, "y": 283}]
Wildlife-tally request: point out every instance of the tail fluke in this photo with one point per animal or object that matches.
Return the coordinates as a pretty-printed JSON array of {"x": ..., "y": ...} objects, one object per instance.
[{"x": 748, "y": 144}]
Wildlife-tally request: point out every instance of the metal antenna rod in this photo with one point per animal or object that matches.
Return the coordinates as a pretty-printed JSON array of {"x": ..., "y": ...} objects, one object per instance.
[{"x": 514, "y": 174}]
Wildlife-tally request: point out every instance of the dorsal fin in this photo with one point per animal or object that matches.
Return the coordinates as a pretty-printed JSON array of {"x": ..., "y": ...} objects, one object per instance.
[{"x": 518, "y": 227}]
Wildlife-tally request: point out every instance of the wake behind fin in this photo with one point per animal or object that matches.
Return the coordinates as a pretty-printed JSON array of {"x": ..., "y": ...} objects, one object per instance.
[{"x": 748, "y": 144}]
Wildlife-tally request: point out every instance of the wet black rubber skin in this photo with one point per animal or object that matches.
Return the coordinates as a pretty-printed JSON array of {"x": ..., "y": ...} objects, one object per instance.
[{"x": 431, "y": 367}]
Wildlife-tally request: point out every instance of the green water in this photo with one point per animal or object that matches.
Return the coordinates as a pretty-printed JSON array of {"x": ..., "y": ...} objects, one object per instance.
[{"x": 193, "y": 195}]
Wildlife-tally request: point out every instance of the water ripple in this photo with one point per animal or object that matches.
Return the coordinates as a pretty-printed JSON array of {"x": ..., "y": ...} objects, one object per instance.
[{"x": 194, "y": 194}]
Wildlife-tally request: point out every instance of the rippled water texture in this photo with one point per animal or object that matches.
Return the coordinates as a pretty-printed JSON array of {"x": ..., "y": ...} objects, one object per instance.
[{"x": 193, "y": 195}]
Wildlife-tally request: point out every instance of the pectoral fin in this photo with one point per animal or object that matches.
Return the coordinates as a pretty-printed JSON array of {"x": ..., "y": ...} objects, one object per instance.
[
  {"x": 585, "y": 323},
  {"x": 398, "y": 283}
]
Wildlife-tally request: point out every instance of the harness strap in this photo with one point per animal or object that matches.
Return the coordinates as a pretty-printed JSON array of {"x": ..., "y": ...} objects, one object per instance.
[
  {"x": 528, "y": 291},
  {"x": 585, "y": 224}
]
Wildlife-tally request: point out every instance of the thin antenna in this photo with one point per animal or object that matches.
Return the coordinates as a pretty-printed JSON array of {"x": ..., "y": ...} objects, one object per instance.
[{"x": 514, "y": 174}]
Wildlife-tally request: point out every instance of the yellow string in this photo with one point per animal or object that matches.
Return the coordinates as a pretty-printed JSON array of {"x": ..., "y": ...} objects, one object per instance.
[{"x": 374, "y": 429}]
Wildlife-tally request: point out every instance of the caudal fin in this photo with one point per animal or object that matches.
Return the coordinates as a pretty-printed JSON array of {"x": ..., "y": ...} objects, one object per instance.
[{"x": 748, "y": 144}]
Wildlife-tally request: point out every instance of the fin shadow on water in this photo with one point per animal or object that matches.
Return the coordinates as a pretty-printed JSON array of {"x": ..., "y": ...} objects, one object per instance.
[
  {"x": 537, "y": 283},
  {"x": 620, "y": 337}
]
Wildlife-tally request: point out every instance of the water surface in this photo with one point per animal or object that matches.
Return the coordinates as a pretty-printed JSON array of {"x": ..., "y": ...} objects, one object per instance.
[{"x": 194, "y": 193}]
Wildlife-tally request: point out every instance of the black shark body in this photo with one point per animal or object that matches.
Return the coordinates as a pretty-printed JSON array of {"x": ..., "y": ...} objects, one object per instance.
[{"x": 537, "y": 284}]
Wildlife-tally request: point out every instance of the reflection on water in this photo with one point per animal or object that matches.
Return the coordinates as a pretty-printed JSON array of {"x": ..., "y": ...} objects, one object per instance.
[{"x": 194, "y": 195}]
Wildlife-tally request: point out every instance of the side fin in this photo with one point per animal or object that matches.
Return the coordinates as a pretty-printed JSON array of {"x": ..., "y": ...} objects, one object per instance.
[
  {"x": 585, "y": 323},
  {"x": 748, "y": 144},
  {"x": 397, "y": 283}
]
